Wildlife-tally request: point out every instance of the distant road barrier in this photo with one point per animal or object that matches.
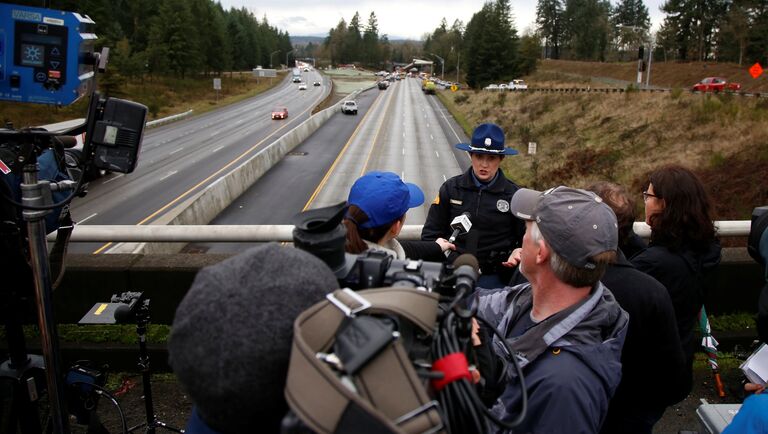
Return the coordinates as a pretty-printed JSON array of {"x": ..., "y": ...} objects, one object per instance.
[
  {"x": 169, "y": 118},
  {"x": 590, "y": 89},
  {"x": 280, "y": 233}
]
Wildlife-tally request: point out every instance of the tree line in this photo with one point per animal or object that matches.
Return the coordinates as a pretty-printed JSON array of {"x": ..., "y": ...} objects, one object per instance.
[
  {"x": 179, "y": 37},
  {"x": 721, "y": 30}
]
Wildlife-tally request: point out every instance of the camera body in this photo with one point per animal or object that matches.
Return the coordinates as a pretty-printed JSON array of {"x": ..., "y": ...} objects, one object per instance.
[{"x": 47, "y": 55}]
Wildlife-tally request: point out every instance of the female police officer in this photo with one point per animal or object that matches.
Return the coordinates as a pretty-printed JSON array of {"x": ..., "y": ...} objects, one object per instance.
[{"x": 484, "y": 192}]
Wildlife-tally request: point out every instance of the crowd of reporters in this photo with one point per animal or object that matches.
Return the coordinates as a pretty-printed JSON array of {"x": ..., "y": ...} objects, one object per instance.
[{"x": 590, "y": 299}]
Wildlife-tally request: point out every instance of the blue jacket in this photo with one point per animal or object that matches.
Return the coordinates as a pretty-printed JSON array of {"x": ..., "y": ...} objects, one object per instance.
[
  {"x": 570, "y": 383},
  {"x": 752, "y": 417}
]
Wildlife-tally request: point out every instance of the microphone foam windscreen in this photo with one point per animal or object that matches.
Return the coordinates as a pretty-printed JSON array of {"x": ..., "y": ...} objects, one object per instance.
[
  {"x": 467, "y": 259},
  {"x": 231, "y": 337}
]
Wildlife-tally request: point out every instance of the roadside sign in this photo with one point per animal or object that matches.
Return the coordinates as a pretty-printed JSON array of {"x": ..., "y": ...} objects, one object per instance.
[
  {"x": 454, "y": 88},
  {"x": 756, "y": 70},
  {"x": 217, "y": 84},
  {"x": 531, "y": 148},
  {"x": 260, "y": 72}
]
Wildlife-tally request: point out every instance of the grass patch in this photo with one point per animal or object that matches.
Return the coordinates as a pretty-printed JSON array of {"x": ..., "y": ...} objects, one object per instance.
[
  {"x": 455, "y": 112},
  {"x": 117, "y": 333},
  {"x": 732, "y": 322},
  {"x": 164, "y": 96}
]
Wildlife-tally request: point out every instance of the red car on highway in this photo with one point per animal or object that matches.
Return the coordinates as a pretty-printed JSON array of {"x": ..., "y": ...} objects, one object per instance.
[
  {"x": 715, "y": 84},
  {"x": 280, "y": 113}
]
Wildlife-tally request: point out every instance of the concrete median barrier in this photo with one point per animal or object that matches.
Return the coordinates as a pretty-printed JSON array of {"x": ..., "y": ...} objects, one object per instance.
[{"x": 203, "y": 207}]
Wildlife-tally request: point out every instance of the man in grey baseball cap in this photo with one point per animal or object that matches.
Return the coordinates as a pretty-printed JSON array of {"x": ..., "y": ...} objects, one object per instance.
[{"x": 565, "y": 328}]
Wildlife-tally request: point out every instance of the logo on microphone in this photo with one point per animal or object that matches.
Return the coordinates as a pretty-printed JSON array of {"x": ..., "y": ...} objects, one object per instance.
[{"x": 502, "y": 205}]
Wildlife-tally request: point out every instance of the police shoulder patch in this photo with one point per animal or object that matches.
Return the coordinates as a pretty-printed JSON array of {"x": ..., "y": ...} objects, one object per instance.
[
  {"x": 502, "y": 205},
  {"x": 437, "y": 200}
]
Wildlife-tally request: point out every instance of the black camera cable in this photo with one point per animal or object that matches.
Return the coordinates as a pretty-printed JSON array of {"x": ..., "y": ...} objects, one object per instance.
[
  {"x": 463, "y": 407},
  {"x": 102, "y": 391}
]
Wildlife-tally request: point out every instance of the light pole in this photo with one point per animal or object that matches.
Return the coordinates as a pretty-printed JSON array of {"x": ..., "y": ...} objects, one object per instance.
[
  {"x": 458, "y": 62},
  {"x": 286, "y": 58},
  {"x": 270, "y": 57},
  {"x": 640, "y": 57},
  {"x": 442, "y": 65}
]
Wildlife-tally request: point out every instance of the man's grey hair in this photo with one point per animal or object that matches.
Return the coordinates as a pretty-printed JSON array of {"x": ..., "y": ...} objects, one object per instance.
[{"x": 557, "y": 263}]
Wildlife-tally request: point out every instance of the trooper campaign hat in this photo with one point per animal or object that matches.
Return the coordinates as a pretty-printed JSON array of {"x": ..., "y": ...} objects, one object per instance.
[
  {"x": 576, "y": 223},
  {"x": 487, "y": 139}
]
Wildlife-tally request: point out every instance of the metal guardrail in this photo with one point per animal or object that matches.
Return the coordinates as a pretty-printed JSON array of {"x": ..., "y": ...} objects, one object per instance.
[
  {"x": 590, "y": 89},
  {"x": 280, "y": 233}
]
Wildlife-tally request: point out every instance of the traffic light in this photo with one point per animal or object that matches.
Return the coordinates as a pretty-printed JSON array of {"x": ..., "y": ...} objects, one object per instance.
[{"x": 641, "y": 53}]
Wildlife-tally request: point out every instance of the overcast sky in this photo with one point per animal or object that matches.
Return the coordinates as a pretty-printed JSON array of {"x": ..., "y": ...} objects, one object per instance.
[{"x": 397, "y": 18}]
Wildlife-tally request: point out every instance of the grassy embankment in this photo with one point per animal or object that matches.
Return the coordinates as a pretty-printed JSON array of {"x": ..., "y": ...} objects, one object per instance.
[
  {"x": 586, "y": 137},
  {"x": 163, "y": 96}
]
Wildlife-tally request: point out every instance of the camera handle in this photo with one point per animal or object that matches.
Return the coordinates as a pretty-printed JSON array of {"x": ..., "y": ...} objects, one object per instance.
[{"x": 33, "y": 193}]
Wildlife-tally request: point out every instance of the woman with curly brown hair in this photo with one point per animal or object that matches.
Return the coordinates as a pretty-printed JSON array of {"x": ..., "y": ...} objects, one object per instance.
[{"x": 683, "y": 249}]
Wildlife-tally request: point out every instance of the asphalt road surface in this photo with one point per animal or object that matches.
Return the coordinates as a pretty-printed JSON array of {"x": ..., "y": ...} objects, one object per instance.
[
  {"x": 399, "y": 130},
  {"x": 182, "y": 158}
]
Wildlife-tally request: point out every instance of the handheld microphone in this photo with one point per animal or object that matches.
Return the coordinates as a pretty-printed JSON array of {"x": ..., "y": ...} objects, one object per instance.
[{"x": 460, "y": 225}]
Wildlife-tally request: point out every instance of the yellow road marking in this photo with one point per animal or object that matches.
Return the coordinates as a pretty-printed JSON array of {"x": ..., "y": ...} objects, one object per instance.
[{"x": 338, "y": 158}]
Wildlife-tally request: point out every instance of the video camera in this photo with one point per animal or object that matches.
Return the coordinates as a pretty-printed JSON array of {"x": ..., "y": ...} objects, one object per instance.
[
  {"x": 321, "y": 233},
  {"x": 400, "y": 354}
]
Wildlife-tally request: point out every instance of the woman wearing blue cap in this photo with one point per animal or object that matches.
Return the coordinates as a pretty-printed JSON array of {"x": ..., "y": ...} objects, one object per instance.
[
  {"x": 378, "y": 202},
  {"x": 484, "y": 192}
]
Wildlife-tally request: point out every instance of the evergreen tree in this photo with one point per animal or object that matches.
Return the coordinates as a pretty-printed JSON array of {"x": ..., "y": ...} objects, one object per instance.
[
  {"x": 371, "y": 42},
  {"x": 170, "y": 47},
  {"x": 353, "y": 41},
  {"x": 630, "y": 22},
  {"x": 491, "y": 45},
  {"x": 549, "y": 16},
  {"x": 587, "y": 28},
  {"x": 693, "y": 25}
]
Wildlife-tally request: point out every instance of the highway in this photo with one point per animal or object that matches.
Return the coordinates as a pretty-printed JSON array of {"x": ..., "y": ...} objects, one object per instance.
[
  {"x": 399, "y": 129},
  {"x": 182, "y": 158}
]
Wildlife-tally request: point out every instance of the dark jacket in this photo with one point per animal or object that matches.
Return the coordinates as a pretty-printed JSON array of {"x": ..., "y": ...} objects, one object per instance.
[
  {"x": 684, "y": 273},
  {"x": 495, "y": 231},
  {"x": 652, "y": 361},
  {"x": 426, "y": 250},
  {"x": 570, "y": 382}
]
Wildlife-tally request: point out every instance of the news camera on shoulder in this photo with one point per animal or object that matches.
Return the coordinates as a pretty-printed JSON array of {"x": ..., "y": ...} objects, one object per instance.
[{"x": 395, "y": 354}]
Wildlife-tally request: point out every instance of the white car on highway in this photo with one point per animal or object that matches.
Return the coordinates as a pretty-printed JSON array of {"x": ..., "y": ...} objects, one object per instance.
[
  {"x": 492, "y": 87},
  {"x": 518, "y": 85},
  {"x": 349, "y": 107},
  {"x": 302, "y": 86}
]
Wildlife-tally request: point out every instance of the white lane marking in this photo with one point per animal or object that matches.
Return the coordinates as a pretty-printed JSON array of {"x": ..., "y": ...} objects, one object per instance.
[
  {"x": 438, "y": 154},
  {"x": 239, "y": 122},
  {"x": 432, "y": 137},
  {"x": 403, "y": 135},
  {"x": 217, "y": 149},
  {"x": 113, "y": 178},
  {"x": 427, "y": 125},
  {"x": 444, "y": 178},
  {"x": 403, "y": 151},
  {"x": 169, "y": 175},
  {"x": 215, "y": 133},
  {"x": 87, "y": 218},
  {"x": 175, "y": 151}
]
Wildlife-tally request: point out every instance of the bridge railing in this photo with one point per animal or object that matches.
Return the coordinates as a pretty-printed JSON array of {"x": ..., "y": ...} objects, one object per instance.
[{"x": 280, "y": 233}]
